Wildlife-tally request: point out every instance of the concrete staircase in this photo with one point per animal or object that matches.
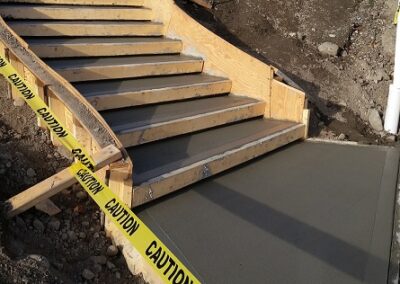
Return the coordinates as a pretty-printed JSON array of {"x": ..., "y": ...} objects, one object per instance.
[{"x": 178, "y": 123}]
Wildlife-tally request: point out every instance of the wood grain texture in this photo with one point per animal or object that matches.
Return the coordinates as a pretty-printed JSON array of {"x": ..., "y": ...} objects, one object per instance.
[
  {"x": 287, "y": 103},
  {"x": 55, "y": 184}
]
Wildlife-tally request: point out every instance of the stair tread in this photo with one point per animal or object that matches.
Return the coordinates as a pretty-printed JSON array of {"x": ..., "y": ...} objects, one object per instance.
[
  {"x": 158, "y": 158},
  {"x": 127, "y": 119},
  {"x": 81, "y": 23},
  {"x": 115, "y": 87},
  {"x": 95, "y": 40},
  {"x": 117, "y": 61},
  {"x": 128, "y": 3},
  {"x": 63, "y": 6}
]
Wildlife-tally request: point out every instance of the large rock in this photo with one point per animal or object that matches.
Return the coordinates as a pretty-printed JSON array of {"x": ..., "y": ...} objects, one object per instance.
[
  {"x": 329, "y": 48},
  {"x": 375, "y": 120}
]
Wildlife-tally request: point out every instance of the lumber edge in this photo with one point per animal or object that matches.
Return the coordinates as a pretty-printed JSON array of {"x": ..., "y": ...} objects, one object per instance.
[{"x": 55, "y": 184}]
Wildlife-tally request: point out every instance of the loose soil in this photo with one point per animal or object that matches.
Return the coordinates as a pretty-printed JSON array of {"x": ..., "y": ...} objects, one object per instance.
[
  {"x": 36, "y": 248},
  {"x": 342, "y": 89}
]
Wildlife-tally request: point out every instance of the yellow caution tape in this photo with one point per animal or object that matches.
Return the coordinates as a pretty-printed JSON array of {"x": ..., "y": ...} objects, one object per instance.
[
  {"x": 32, "y": 98},
  {"x": 396, "y": 16},
  {"x": 168, "y": 267}
]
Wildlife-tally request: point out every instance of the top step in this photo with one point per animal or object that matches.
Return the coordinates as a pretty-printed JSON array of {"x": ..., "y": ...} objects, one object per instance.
[
  {"x": 82, "y": 2},
  {"x": 73, "y": 12}
]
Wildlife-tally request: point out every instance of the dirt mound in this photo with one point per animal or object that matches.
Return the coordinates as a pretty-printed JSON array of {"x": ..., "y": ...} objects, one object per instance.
[
  {"x": 344, "y": 89},
  {"x": 70, "y": 247}
]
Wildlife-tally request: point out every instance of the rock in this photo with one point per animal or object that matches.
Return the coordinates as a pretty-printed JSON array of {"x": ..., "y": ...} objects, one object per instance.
[
  {"x": 72, "y": 235},
  {"x": 117, "y": 275},
  {"x": 85, "y": 224},
  {"x": 391, "y": 138},
  {"x": 54, "y": 225},
  {"x": 21, "y": 223},
  {"x": 16, "y": 248},
  {"x": 388, "y": 41},
  {"x": 99, "y": 259},
  {"x": 38, "y": 225},
  {"x": 110, "y": 265},
  {"x": 97, "y": 268},
  {"x": 31, "y": 173},
  {"x": 342, "y": 137},
  {"x": 112, "y": 251},
  {"x": 82, "y": 235},
  {"x": 87, "y": 274},
  {"x": 40, "y": 260},
  {"x": 329, "y": 48},
  {"x": 64, "y": 236},
  {"x": 81, "y": 195},
  {"x": 375, "y": 120}
]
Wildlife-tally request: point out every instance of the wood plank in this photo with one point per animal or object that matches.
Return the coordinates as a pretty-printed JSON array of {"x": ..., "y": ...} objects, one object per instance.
[
  {"x": 171, "y": 128},
  {"x": 120, "y": 181},
  {"x": 58, "y": 108},
  {"x": 55, "y": 184},
  {"x": 88, "y": 47},
  {"x": 78, "y": 70},
  {"x": 143, "y": 91},
  {"x": 18, "y": 100},
  {"x": 82, "y": 2},
  {"x": 58, "y": 12},
  {"x": 250, "y": 77},
  {"x": 83, "y": 28},
  {"x": 287, "y": 103},
  {"x": 185, "y": 176}
]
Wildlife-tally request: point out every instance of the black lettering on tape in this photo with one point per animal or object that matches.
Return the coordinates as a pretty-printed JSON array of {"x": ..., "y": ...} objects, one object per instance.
[
  {"x": 160, "y": 258},
  {"x": 2, "y": 62}
]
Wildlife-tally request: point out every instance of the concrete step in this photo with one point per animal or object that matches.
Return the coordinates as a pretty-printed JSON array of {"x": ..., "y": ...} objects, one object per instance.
[
  {"x": 72, "y": 12},
  {"x": 102, "y": 46},
  {"x": 165, "y": 166},
  {"x": 112, "y": 94},
  {"x": 141, "y": 125},
  {"x": 85, "y": 28},
  {"x": 82, "y": 2},
  {"x": 88, "y": 69}
]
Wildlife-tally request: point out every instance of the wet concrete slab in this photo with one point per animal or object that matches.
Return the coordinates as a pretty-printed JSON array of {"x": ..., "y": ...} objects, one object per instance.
[{"x": 308, "y": 213}]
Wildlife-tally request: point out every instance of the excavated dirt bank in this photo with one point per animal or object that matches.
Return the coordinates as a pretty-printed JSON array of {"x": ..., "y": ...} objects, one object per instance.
[{"x": 343, "y": 90}]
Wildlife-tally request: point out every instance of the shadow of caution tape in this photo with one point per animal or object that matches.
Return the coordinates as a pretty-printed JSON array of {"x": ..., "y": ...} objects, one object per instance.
[{"x": 168, "y": 267}]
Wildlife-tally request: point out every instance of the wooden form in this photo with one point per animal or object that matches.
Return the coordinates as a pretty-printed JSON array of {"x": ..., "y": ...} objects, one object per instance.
[
  {"x": 91, "y": 28},
  {"x": 112, "y": 68},
  {"x": 40, "y": 12},
  {"x": 250, "y": 77},
  {"x": 162, "y": 130},
  {"x": 55, "y": 184},
  {"x": 82, "y": 2},
  {"x": 65, "y": 101},
  {"x": 87, "y": 48}
]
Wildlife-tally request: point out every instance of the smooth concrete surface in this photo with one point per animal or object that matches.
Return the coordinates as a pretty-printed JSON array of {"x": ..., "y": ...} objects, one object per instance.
[
  {"x": 125, "y": 119},
  {"x": 155, "y": 159},
  {"x": 308, "y": 213}
]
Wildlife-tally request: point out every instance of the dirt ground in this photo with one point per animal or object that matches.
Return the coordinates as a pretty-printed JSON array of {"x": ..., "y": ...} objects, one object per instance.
[
  {"x": 36, "y": 248},
  {"x": 343, "y": 90}
]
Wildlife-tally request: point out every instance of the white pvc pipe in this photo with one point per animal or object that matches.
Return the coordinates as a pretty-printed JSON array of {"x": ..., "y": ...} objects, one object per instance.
[{"x": 393, "y": 105}]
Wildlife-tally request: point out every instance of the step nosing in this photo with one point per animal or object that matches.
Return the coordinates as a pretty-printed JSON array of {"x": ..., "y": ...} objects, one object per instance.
[
  {"x": 122, "y": 130},
  {"x": 213, "y": 157},
  {"x": 143, "y": 91}
]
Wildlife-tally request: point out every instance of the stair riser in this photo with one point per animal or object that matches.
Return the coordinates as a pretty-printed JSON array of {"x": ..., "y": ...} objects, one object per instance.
[
  {"x": 105, "y": 102},
  {"x": 176, "y": 180},
  {"x": 75, "y": 13},
  {"x": 145, "y": 29},
  {"x": 134, "y": 71},
  {"x": 83, "y": 2},
  {"x": 191, "y": 124},
  {"x": 90, "y": 50}
]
